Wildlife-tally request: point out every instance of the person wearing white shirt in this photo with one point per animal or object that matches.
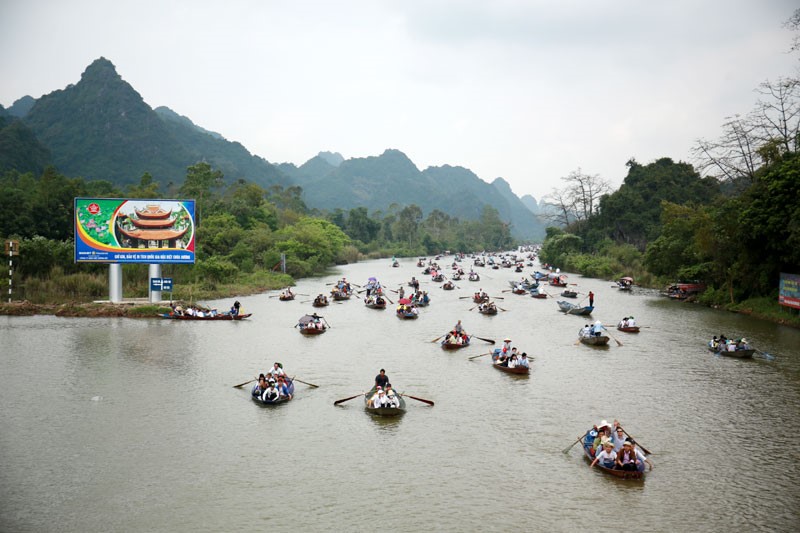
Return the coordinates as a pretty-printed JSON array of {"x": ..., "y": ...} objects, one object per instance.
[
  {"x": 631, "y": 322},
  {"x": 523, "y": 360},
  {"x": 512, "y": 363},
  {"x": 276, "y": 370},
  {"x": 272, "y": 393},
  {"x": 379, "y": 400},
  {"x": 607, "y": 457},
  {"x": 618, "y": 438}
]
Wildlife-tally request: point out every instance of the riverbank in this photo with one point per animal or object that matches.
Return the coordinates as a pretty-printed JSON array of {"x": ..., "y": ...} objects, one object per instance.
[{"x": 84, "y": 309}]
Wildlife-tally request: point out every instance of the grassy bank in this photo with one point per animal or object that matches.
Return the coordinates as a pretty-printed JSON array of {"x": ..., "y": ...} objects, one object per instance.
[{"x": 767, "y": 308}]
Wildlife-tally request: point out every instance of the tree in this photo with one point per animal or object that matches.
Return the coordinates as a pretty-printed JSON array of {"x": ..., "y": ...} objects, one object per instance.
[
  {"x": 202, "y": 184},
  {"x": 147, "y": 188},
  {"x": 360, "y": 227},
  {"x": 407, "y": 225},
  {"x": 579, "y": 199}
]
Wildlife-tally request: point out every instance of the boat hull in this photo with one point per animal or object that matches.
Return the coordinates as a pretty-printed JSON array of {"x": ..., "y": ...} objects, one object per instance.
[
  {"x": 621, "y": 474},
  {"x": 629, "y": 329},
  {"x": 518, "y": 370},
  {"x": 282, "y": 399},
  {"x": 384, "y": 411},
  {"x": 600, "y": 340},
  {"x": 739, "y": 354},
  {"x": 171, "y": 316}
]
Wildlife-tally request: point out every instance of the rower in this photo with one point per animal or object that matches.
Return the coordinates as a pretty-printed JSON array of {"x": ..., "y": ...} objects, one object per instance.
[
  {"x": 276, "y": 370},
  {"x": 381, "y": 380}
]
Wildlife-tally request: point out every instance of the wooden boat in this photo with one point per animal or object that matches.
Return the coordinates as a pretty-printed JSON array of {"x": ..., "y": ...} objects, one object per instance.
[
  {"x": 384, "y": 411},
  {"x": 286, "y": 297},
  {"x": 629, "y": 329},
  {"x": 406, "y": 314},
  {"x": 489, "y": 310},
  {"x": 569, "y": 294},
  {"x": 622, "y": 474},
  {"x": 478, "y": 299},
  {"x": 280, "y": 400},
  {"x": 539, "y": 295},
  {"x": 572, "y": 309},
  {"x": 438, "y": 278},
  {"x": 474, "y": 276},
  {"x": 519, "y": 370},
  {"x": 223, "y": 316},
  {"x": 451, "y": 346},
  {"x": 595, "y": 340},
  {"x": 519, "y": 290},
  {"x": 320, "y": 302},
  {"x": 372, "y": 304},
  {"x": 312, "y": 331},
  {"x": 456, "y": 277},
  {"x": 305, "y": 321},
  {"x": 340, "y": 295},
  {"x": 449, "y": 286},
  {"x": 741, "y": 354},
  {"x": 396, "y": 264}
]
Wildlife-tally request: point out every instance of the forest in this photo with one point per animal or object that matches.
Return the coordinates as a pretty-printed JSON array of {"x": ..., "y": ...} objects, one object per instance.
[{"x": 242, "y": 230}]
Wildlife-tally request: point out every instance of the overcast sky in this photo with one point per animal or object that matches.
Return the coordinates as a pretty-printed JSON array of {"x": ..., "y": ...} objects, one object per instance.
[{"x": 524, "y": 90}]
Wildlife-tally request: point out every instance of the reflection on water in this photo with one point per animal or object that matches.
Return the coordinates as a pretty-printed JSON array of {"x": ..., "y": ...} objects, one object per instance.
[{"x": 129, "y": 425}]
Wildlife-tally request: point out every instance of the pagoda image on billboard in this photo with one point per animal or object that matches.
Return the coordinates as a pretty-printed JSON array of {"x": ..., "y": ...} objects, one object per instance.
[{"x": 152, "y": 227}]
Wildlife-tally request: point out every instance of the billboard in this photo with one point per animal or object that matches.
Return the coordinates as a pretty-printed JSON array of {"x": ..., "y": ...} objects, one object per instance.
[
  {"x": 114, "y": 230},
  {"x": 789, "y": 290}
]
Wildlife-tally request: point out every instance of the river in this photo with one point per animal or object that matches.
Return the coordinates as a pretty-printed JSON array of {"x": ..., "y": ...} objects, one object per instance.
[{"x": 133, "y": 425}]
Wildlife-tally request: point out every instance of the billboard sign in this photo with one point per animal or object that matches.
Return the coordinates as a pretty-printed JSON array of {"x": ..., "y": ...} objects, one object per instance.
[
  {"x": 789, "y": 290},
  {"x": 114, "y": 230}
]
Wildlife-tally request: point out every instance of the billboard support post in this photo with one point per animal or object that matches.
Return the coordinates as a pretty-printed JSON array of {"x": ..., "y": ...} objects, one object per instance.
[
  {"x": 154, "y": 272},
  {"x": 115, "y": 283}
]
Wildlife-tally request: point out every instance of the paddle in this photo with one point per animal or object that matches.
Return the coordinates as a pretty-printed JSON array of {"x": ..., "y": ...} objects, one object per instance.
[
  {"x": 462, "y": 297},
  {"x": 612, "y": 336},
  {"x": 481, "y": 355},
  {"x": 768, "y": 356},
  {"x": 565, "y": 450},
  {"x": 423, "y": 400},
  {"x": 500, "y": 308},
  {"x": 473, "y": 307},
  {"x": 499, "y": 298},
  {"x": 306, "y": 383},
  {"x": 439, "y": 337},
  {"x": 490, "y": 341},
  {"x": 337, "y": 402},
  {"x": 240, "y": 385},
  {"x": 388, "y": 299},
  {"x": 645, "y": 450}
]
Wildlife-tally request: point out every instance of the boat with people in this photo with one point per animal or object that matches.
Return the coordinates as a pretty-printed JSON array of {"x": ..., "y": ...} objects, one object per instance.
[
  {"x": 375, "y": 301},
  {"x": 488, "y": 308},
  {"x": 558, "y": 280},
  {"x": 339, "y": 295},
  {"x": 739, "y": 348},
  {"x": 474, "y": 276},
  {"x": 311, "y": 324},
  {"x": 569, "y": 294},
  {"x": 320, "y": 301},
  {"x": 286, "y": 295},
  {"x": 592, "y": 335},
  {"x": 628, "y": 325},
  {"x": 508, "y": 359},
  {"x": 625, "y": 284},
  {"x": 377, "y": 402},
  {"x": 448, "y": 285},
  {"x": 273, "y": 389},
  {"x": 572, "y": 309},
  {"x": 203, "y": 315},
  {"x": 406, "y": 310},
  {"x": 480, "y": 297},
  {"x": 612, "y": 451}
]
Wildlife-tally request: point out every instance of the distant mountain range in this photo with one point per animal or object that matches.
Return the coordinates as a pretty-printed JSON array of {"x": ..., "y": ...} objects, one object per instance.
[{"x": 101, "y": 128}]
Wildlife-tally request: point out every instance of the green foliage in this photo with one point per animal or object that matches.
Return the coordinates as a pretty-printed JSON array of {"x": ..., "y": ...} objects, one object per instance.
[
  {"x": 216, "y": 269},
  {"x": 555, "y": 249}
]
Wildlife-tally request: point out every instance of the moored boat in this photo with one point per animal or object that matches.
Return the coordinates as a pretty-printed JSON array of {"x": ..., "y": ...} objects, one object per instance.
[{"x": 384, "y": 411}]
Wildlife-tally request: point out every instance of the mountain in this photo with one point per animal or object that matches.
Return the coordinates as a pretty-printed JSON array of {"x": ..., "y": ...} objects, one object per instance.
[
  {"x": 21, "y": 107},
  {"x": 333, "y": 158},
  {"x": 101, "y": 128},
  {"x": 531, "y": 203},
  {"x": 376, "y": 182},
  {"x": 20, "y": 150}
]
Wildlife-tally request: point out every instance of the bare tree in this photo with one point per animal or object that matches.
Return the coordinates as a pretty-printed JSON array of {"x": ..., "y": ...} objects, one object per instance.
[{"x": 578, "y": 200}]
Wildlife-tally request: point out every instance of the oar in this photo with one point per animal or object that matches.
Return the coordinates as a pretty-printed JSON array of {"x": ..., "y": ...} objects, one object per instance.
[
  {"x": 565, "y": 450},
  {"x": 481, "y": 355},
  {"x": 473, "y": 307},
  {"x": 645, "y": 450},
  {"x": 306, "y": 383},
  {"x": 240, "y": 385},
  {"x": 462, "y": 297},
  {"x": 500, "y": 308},
  {"x": 423, "y": 400},
  {"x": 326, "y": 322},
  {"x": 490, "y": 341},
  {"x": 337, "y": 402},
  {"x": 766, "y": 355},
  {"x": 388, "y": 299},
  {"x": 612, "y": 336},
  {"x": 499, "y": 298},
  {"x": 439, "y": 337}
]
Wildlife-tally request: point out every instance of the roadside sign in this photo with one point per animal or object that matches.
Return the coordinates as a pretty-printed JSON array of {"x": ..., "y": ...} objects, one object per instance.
[{"x": 166, "y": 284}]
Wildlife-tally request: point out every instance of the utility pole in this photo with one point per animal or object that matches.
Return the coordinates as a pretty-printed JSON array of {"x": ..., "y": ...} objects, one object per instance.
[{"x": 11, "y": 247}]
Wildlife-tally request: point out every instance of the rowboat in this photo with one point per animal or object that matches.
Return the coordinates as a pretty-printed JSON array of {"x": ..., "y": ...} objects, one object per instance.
[
  {"x": 629, "y": 329},
  {"x": 518, "y": 290},
  {"x": 449, "y": 286},
  {"x": 373, "y": 304},
  {"x": 572, "y": 309},
  {"x": 595, "y": 340},
  {"x": 396, "y": 264},
  {"x": 339, "y": 295},
  {"x": 320, "y": 302},
  {"x": 478, "y": 299},
  {"x": 384, "y": 411},
  {"x": 438, "y": 278},
  {"x": 282, "y": 399},
  {"x": 519, "y": 370},
  {"x": 622, "y": 474},
  {"x": 741, "y": 354},
  {"x": 311, "y": 325},
  {"x": 569, "y": 294},
  {"x": 286, "y": 297},
  {"x": 224, "y": 316},
  {"x": 489, "y": 310},
  {"x": 454, "y": 345},
  {"x": 474, "y": 276},
  {"x": 312, "y": 331},
  {"x": 539, "y": 295},
  {"x": 406, "y": 314}
]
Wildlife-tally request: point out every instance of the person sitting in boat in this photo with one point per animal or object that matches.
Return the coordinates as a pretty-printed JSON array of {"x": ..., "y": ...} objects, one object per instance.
[
  {"x": 623, "y": 323},
  {"x": 260, "y": 386},
  {"x": 588, "y": 440},
  {"x": 617, "y": 436},
  {"x": 379, "y": 400},
  {"x": 607, "y": 457},
  {"x": 379, "y": 300},
  {"x": 631, "y": 322},
  {"x": 603, "y": 434},
  {"x": 641, "y": 458},
  {"x": 585, "y": 332},
  {"x": 626, "y": 457},
  {"x": 391, "y": 396},
  {"x": 276, "y": 370},
  {"x": 271, "y": 394},
  {"x": 425, "y": 298},
  {"x": 512, "y": 362},
  {"x": 523, "y": 360},
  {"x": 283, "y": 388}
]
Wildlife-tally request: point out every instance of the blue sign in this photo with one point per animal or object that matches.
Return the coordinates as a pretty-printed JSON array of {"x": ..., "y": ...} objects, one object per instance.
[
  {"x": 155, "y": 284},
  {"x": 166, "y": 284}
]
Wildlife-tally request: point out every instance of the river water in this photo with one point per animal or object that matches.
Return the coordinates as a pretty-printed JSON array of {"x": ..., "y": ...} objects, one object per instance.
[{"x": 133, "y": 424}]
